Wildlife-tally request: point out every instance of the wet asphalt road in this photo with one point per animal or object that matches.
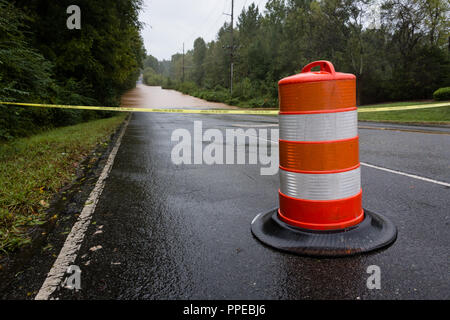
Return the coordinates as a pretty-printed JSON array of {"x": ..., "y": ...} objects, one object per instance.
[{"x": 183, "y": 231}]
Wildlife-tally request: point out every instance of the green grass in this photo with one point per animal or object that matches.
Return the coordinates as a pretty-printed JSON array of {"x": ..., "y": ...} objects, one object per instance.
[
  {"x": 440, "y": 115},
  {"x": 33, "y": 169},
  {"x": 400, "y": 104}
]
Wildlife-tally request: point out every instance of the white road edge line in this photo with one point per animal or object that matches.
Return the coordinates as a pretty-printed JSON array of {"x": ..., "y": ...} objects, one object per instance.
[
  {"x": 73, "y": 242},
  {"x": 442, "y": 183},
  {"x": 406, "y": 174}
]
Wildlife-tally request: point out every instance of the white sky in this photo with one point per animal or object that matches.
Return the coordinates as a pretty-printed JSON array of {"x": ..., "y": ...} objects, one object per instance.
[{"x": 169, "y": 23}]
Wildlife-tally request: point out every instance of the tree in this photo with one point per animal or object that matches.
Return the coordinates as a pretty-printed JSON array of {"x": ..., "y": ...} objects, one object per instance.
[
  {"x": 400, "y": 53},
  {"x": 43, "y": 61},
  {"x": 106, "y": 54},
  {"x": 152, "y": 62},
  {"x": 198, "y": 59},
  {"x": 418, "y": 63}
]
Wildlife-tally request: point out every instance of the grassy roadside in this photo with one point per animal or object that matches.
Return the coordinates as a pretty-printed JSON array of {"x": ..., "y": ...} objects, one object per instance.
[
  {"x": 33, "y": 169},
  {"x": 400, "y": 104},
  {"x": 440, "y": 115}
]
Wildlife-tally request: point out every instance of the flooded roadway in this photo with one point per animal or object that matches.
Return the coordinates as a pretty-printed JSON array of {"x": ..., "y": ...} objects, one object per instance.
[{"x": 155, "y": 97}]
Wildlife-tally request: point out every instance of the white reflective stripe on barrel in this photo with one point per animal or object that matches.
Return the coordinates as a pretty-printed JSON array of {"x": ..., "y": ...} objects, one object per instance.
[
  {"x": 323, "y": 186},
  {"x": 318, "y": 126}
]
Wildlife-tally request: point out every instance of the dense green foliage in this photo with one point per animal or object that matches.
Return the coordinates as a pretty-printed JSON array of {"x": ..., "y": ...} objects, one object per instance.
[
  {"x": 442, "y": 94},
  {"x": 398, "y": 50},
  {"x": 33, "y": 169},
  {"x": 156, "y": 73},
  {"x": 152, "y": 78},
  {"x": 41, "y": 60}
]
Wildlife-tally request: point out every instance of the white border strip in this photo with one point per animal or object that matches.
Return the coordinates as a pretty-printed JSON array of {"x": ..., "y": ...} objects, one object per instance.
[
  {"x": 318, "y": 127},
  {"x": 73, "y": 242},
  {"x": 322, "y": 186}
]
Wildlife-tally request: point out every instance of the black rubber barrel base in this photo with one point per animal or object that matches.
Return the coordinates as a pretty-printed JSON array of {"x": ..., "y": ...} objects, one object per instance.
[{"x": 373, "y": 233}]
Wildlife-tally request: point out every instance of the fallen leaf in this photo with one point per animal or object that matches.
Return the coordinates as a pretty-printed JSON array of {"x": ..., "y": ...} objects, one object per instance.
[
  {"x": 95, "y": 248},
  {"x": 44, "y": 204}
]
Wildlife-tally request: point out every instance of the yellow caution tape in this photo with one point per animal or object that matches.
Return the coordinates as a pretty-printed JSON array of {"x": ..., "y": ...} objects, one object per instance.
[
  {"x": 212, "y": 111},
  {"x": 401, "y": 108},
  {"x": 161, "y": 110}
]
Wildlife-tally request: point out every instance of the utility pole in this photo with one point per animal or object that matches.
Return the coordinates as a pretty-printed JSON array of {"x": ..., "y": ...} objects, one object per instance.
[
  {"x": 231, "y": 49},
  {"x": 183, "y": 63}
]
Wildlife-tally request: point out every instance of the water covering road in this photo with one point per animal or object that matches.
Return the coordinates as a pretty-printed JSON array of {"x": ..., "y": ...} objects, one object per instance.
[{"x": 154, "y": 97}]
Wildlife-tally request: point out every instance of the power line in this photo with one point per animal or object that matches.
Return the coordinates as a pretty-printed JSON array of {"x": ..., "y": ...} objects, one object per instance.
[
  {"x": 211, "y": 27},
  {"x": 206, "y": 21},
  {"x": 232, "y": 46}
]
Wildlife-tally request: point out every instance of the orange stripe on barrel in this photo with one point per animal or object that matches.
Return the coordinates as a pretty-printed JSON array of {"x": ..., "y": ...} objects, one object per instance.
[
  {"x": 321, "y": 214},
  {"x": 319, "y": 156},
  {"x": 317, "y": 96}
]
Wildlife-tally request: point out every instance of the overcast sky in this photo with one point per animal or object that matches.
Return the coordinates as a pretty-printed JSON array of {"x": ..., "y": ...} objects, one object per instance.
[{"x": 169, "y": 23}]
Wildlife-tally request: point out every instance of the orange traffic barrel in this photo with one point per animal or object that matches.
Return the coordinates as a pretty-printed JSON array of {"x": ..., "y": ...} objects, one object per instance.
[{"x": 320, "y": 197}]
